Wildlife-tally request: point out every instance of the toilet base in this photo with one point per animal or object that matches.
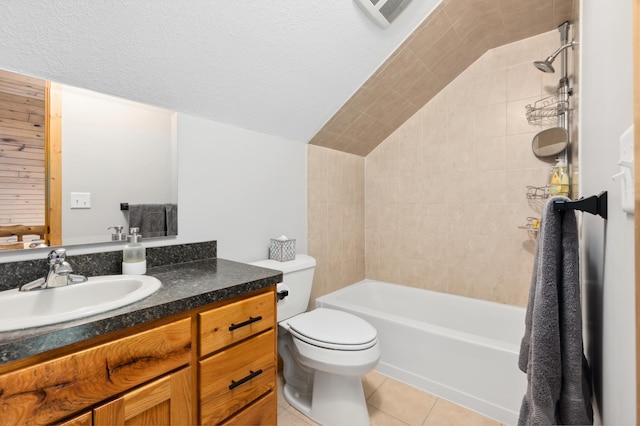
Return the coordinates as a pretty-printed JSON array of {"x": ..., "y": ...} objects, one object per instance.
[{"x": 336, "y": 400}]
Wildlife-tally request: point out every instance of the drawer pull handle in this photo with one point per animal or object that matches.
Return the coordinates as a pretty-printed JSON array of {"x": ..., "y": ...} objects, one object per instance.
[
  {"x": 251, "y": 320},
  {"x": 252, "y": 375}
]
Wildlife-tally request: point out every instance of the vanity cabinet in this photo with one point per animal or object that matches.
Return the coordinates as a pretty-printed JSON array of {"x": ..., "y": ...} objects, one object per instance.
[
  {"x": 166, "y": 401},
  {"x": 51, "y": 390},
  {"x": 211, "y": 365},
  {"x": 237, "y": 362},
  {"x": 84, "y": 419}
]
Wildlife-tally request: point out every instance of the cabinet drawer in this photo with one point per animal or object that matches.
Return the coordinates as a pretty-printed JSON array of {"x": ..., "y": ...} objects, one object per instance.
[
  {"x": 235, "y": 377},
  {"x": 261, "y": 412},
  {"x": 46, "y": 392},
  {"x": 231, "y": 323}
]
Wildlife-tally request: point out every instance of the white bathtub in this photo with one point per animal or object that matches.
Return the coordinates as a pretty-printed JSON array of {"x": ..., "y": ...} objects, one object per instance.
[{"x": 461, "y": 349}]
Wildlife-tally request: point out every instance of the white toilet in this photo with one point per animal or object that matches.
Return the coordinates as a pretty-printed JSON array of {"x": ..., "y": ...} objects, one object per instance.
[{"x": 325, "y": 352}]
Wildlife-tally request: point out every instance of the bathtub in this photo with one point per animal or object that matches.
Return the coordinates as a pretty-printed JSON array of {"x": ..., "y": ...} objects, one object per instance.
[{"x": 461, "y": 349}]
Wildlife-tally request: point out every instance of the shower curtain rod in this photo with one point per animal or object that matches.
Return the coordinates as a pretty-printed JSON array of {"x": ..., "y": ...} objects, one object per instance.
[{"x": 596, "y": 205}]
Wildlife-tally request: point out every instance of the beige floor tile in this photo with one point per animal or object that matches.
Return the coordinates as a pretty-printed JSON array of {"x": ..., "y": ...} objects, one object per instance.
[
  {"x": 402, "y": 402},
  {"x": 380, "y": 418},
  {"x": 288, "y": 418},
  {"x": 282, "y": 403},
  {"x": 445, "y": 413},
  {"x": 371, "y": 382},
  {"x": 392, "y": 403}
]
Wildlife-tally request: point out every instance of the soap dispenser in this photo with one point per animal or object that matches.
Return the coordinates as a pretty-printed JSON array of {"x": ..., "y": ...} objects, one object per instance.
[
  {"x": 559, "y": 179},
  {"x": 118, "y": 235},
  {"x": 134, "y": 259}
]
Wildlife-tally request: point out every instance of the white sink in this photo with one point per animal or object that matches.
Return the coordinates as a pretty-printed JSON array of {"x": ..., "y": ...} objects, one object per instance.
[{"x": 24, "y": 309}]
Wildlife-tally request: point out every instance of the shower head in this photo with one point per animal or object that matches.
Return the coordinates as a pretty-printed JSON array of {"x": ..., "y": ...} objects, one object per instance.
[{"x": 545, "y": 66}]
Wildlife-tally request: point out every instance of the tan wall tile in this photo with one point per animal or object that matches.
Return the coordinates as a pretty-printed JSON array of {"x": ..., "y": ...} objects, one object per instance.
[
  {"x": 445, "y": 194},
  {"x": 437, "y": 204},
  {"x": 447, "y": 43},
  {"x": 491, "y": 120},
  {"x": 336, "y": 219},
  {"x": 524, "y": 81},
  {"x": 493, "y": 87}
]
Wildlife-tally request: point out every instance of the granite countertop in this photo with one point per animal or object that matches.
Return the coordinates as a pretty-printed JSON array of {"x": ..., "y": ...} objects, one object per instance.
[{"x": 184, "y": 286}]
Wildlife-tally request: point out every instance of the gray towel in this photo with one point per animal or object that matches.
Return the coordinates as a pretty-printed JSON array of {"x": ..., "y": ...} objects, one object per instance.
[
  {"x": 551, "y": 352},
  {"x": 171, "y": 218},
  {"x": 154, "y": 220}
]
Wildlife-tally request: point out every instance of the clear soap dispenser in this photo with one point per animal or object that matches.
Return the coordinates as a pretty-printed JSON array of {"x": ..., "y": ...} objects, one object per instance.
[{"x": 134, "y": 258}]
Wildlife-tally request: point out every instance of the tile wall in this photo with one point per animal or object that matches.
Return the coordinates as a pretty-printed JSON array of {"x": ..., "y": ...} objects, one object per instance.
[
  {"x": 452, "y": 37},
  {"x": 445, "y": 193},
  {"x": 437, "y": 205},
  {"x": 335, "y": 218}
]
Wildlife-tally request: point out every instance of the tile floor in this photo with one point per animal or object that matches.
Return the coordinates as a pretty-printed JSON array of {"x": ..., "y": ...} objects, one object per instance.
[{"x": 392, "y": 403}]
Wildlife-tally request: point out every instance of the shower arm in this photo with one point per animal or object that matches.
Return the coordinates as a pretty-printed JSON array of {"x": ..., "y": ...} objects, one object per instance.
[{"x": 571, "y": 44}]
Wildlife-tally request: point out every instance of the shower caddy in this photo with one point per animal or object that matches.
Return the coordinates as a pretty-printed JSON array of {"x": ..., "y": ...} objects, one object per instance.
[{"x": 557, "y": 108}]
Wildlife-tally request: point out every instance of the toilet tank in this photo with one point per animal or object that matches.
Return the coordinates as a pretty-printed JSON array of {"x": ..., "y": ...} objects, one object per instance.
[{"x": 297, "y": 280}]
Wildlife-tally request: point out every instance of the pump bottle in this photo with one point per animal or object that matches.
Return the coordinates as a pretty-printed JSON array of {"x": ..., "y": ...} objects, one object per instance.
[
  {"x": 559, "y": 179},
  {"x": 134, "y": 259}
]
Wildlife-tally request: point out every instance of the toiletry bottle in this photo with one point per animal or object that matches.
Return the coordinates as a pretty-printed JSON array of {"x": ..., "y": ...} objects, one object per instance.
[
  {"x": 134, "y": 259},
  {"x": 118, "y": 235},
  {"x": 559, "y": 179}
]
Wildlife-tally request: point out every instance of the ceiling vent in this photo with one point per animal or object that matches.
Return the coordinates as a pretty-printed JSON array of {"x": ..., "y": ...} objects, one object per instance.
[{"x": 382, "y": 12}]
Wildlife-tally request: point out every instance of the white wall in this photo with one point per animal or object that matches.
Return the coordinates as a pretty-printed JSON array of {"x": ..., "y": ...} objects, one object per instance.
[
  {"x": 606, "y": 111},
  {"x": 236, "y": 186},
  {"x": 239, "y": 187}
]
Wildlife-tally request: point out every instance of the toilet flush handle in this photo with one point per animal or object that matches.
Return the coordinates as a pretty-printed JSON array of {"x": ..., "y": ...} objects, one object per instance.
[{"x": 282, "y": 294}]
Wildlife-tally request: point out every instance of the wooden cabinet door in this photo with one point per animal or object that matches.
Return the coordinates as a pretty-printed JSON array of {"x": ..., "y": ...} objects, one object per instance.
[
  {"x": 85, "y": 419},
  {"x": 166, "y": 401},
  {"x": 48, "y": 391}
]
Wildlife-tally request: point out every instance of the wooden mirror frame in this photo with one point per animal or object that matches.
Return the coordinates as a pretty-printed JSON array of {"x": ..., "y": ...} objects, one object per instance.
[{"x": 53, "y": 161}]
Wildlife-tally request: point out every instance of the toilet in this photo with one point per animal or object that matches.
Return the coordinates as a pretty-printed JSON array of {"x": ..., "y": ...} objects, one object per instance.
[{"x": 325, "y": 352}]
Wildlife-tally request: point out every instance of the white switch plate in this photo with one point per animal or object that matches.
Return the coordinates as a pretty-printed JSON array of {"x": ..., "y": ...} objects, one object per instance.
[
  {"x": 80, "y": 200},
  {"x": 627, "y": 170}
]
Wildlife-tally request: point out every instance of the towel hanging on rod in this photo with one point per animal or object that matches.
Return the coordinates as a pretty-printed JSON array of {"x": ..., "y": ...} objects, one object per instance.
[{"x": 596, "y": 204}]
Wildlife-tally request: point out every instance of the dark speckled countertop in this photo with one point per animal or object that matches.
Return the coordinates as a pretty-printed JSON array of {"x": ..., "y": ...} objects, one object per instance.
[{"x": 184, "y": 286}]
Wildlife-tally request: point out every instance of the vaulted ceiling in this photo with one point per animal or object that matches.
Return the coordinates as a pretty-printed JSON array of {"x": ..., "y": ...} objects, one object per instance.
[
  {"x": 305, "y": 71},
  {"x": 455, "y": 34}
]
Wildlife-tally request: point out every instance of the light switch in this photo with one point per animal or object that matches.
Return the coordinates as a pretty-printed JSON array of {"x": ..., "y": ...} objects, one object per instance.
[
  {"x": 626, "y": 175},
  {"x": 80, "y": 200}
]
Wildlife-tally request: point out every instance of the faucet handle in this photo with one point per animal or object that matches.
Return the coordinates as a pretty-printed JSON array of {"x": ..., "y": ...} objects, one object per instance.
[{"x": 57, "y": 256}]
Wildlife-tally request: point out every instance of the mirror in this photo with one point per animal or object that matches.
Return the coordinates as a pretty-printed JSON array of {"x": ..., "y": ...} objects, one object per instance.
[
  {"x": 550, "y": 142},
  {"x": 108, "y": 151}
]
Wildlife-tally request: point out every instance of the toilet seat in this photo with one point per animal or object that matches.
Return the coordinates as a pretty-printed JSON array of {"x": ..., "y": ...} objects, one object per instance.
[{"x": 333, "y": 329}]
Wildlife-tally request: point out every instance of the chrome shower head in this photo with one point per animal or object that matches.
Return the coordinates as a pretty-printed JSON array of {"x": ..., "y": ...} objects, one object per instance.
[{"x": 545, "y": 66}]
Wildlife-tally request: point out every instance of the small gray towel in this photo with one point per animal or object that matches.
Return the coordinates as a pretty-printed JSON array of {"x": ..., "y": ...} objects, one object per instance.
[
  {"x": 551, "y": 352},
  {"x": 171, "y": 218},
  {"x": 154, "y": 220}
]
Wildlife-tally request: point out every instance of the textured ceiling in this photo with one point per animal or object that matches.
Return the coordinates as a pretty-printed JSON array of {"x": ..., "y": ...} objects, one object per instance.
[
  {"x": 456, "y": 34},
  {"x": 279, "y": 67}
]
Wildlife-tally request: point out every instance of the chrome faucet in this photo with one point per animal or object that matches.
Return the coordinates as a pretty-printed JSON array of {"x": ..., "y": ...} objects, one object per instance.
[{"x": 59, "y": 275}]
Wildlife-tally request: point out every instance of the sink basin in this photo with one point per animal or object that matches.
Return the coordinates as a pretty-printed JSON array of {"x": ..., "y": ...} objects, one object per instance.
[{"x": 24, "y": 309}]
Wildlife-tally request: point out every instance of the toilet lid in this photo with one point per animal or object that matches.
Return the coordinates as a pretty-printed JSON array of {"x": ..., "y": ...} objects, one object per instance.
[{"x": 333, "y": 329}]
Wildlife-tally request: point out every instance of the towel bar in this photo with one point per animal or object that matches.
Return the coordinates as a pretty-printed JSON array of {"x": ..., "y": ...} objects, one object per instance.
[
  {"x": 124, "y": 206},
  {"x": 596, "y": 204}
]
